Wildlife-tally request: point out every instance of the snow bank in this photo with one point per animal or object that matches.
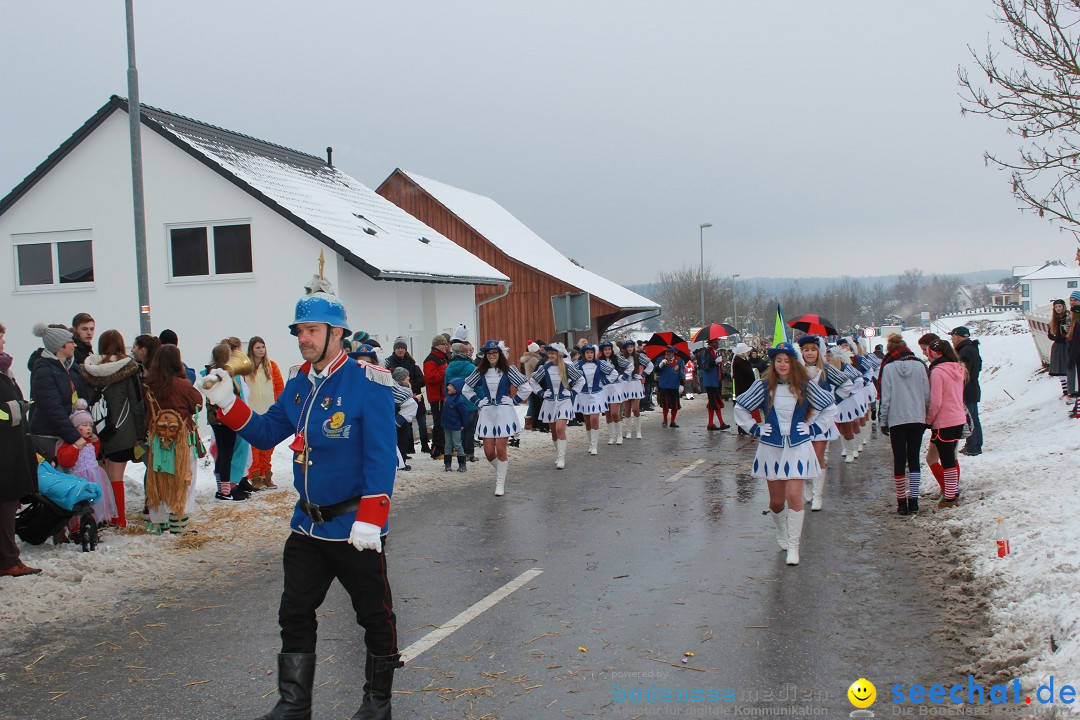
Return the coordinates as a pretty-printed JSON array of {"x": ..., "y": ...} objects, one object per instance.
[
  {"x": 78, "y": 584},
  {"x": 1026, "y": 475}
]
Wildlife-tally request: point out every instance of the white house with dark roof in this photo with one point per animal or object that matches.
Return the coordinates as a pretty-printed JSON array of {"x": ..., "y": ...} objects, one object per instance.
[{"x": 234, "y": 230}]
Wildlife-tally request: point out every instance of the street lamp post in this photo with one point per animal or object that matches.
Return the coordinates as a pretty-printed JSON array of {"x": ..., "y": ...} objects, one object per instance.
[
  {"x": 701, "y": 268},
  {"x": 735, "y": 304}
]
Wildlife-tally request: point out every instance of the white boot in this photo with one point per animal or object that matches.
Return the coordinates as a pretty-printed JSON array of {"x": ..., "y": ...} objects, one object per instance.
[
  {"x": 819, "y": 492},
  {"x": 560, "y": 454},
  {"x": 637, "y": 426},
  {"x": 500, "y": 476},
  {"x": 781, "y": 521},
  {"x": 848, "y": 452},
  {"x": 618, "y": 433},
  {"x": 629, "y": 426},
  {"x": 794, "y": 535},
  {"x": 594, "y": 439},
  {"x": 611, "y": 433},
  {"x": 808, "y": 489},
  {"x": 855, "y": 445}
]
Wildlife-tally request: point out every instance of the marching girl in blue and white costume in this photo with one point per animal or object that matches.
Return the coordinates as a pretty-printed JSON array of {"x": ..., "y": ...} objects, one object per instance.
[
  {"x": 862, "y": 365},
  {"x": 591, "y": 396},
  {"x": 796, "y": 410},
  {"x": 831, "y": 380},
  {"x": 496, "y": 387},
  {"x": 404, "y": 403},
  {"x": 847, "y": 409},
  {"x": 614, "y": 393},
  {"x": 633, "y": 384},
  {"x": 555, "y": 381}
]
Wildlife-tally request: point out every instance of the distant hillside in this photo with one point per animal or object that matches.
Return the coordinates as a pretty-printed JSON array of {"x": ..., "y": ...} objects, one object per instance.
[{"x": 814, "y": 284}]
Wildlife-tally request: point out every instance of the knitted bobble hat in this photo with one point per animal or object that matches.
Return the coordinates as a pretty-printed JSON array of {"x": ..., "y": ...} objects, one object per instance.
[{"x": 81, "y": 416}]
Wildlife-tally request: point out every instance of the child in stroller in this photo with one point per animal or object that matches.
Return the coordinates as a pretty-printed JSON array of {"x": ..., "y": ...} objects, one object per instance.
[{"x": 59, "y": 500}]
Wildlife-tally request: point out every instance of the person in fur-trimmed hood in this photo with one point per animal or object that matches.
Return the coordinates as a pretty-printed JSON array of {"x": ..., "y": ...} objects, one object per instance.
[{"x": 113, "y": 382}]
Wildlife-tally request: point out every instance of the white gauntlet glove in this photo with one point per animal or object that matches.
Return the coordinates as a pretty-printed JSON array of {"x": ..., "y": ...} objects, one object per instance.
[
  {"x": 365, "y": 536},
  {"x": 217, "y": 388}
]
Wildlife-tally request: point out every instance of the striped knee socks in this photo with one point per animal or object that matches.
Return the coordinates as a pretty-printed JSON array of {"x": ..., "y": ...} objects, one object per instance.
[
  {"x": 914, "y": 478},
  {"x": 952, "y": 482},
  {"x": 901, "y": 486}
]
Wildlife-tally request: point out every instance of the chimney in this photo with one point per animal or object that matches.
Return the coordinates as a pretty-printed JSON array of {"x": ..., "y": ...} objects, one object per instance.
[{"x": 330, "y": 156}]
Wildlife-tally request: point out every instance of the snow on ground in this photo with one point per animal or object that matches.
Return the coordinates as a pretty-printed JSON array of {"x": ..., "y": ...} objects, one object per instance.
[
  {"x": 1027, "y": 476},
  {"x": 226, "y": 533}
]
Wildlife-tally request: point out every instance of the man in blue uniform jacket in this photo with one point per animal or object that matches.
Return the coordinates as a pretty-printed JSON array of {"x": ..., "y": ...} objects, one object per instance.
[{"x": 341, "y": 416}]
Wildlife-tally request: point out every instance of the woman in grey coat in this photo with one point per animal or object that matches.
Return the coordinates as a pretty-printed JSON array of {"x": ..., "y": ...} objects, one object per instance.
[{"x": 905, "y": 399}]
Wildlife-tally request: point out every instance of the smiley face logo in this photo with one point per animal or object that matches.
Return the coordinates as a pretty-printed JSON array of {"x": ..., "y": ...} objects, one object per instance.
[
  {"x": 337, "y": 420},
  {"x": 862, "y": 693}
]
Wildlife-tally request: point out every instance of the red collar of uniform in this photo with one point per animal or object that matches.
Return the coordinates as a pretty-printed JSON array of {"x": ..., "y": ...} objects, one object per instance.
[{"x": 331, "y": 368}]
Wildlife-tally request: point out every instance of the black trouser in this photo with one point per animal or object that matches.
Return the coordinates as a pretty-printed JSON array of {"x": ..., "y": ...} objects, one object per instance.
[
  {"x": 9, "y": 550},
  {"x": 906, "y": 441},
  {"x": 405, "y": 443},
  {"x": 225, "y": 440},
  {"x": 421, "y": 423},
  {"x": 437, "y": 439},
  {"x": 468, "y": 437},
  {"x": 650, "y": 385},
  {"x": 310, "y": 566}
]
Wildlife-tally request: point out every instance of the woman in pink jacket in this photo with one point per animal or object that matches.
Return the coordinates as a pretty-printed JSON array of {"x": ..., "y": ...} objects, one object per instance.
[{"x": 946, "y": 415}]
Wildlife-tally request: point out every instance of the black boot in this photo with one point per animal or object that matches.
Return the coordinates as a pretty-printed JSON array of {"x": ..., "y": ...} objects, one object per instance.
[
  {"x": 913, "y": 506},
  {"x": 296, "y": 676},
  {"x": 461, "y": 464},
  {"x": 902, "y": 506},
  {"x": 378, "y": 687}
]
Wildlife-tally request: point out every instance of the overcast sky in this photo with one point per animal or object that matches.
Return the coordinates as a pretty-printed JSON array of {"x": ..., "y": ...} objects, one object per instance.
[{"x": 819, "y": 138}]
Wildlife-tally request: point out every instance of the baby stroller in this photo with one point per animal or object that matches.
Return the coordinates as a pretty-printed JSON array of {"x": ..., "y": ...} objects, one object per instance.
[{"x": 59, "y": 498}]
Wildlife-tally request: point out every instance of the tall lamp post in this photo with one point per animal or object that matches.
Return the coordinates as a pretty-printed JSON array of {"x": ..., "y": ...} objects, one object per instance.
[
  {"x": 701, "y": 268},
  {"x": 735, "y": 304}
]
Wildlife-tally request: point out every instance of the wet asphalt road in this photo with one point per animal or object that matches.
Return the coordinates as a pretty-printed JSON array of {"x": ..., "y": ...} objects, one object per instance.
[{"x": 637, "y": 571}]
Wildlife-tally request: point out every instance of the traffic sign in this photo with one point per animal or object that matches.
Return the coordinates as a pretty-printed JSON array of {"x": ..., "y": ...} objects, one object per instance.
[{"x": 869, "y": 332}]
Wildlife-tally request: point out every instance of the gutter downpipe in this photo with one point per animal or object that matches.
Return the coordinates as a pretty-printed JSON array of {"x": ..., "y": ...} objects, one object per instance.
[{"x": 506, "y": 291}]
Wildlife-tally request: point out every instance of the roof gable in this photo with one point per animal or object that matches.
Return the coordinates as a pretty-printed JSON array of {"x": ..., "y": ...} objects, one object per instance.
[
  {"x": 516, "y": 240},
  {"x": 367, "y": 230}
]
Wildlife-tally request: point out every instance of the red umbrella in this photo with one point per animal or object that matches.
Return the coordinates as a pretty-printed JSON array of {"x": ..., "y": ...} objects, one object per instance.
[
  {"x": 656, "y": 345},
  {"x": 813, "y": 325},
  {"x": 715, "y": 331}
]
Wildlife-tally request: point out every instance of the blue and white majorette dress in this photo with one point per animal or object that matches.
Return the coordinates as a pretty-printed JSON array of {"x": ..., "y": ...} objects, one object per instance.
[
  {"x": 498, "y": 416},
  {"x": 632, "y": 377},
  {"x": 591, "y": 391},
  {"x": 785, "y": 450},
  {"x": 826, "y": 381},
  {"x": 558, "y": 401},
  {"x": 616, "y": 391},
  {"x": 404, "y": 413},
  {"x": 848, "y": 407}
]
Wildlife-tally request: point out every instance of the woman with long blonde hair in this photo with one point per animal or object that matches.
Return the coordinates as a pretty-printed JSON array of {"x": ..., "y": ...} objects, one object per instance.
[
  {"x": 634, "y": 385},
  {"x": 796, "y": 410},
  {"x": 812, "y": 355},
  {"x": 555, "y": 382},
  {"x": 265, "y": 386}
]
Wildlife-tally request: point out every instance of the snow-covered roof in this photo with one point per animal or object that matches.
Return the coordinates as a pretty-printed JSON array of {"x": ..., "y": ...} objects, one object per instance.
[
  {"x": 379, "y": 237},
  {"x": 1052, "y": 271},
  {"x": 1022, "y": 270},
  {"x": 512, "y": 237},
  {"x": 368, "y": 231}
]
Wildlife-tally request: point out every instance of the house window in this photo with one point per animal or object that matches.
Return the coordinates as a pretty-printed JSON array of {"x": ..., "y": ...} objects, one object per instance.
[
  {"x": 1072, "y": 284},
  {"x": 210, "y": 250},
  {"x": 1025, "y": 289},
  {"x": 53, "y": 259}
]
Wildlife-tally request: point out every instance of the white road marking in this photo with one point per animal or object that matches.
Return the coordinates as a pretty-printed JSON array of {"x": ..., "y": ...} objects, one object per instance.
[
  {"x": 435, "y": 636},
  {"x": 685, "y": 471}
]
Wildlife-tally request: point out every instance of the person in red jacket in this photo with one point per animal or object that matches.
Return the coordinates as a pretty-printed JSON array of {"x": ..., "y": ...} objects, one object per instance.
[{"x": 434, "y": 378}]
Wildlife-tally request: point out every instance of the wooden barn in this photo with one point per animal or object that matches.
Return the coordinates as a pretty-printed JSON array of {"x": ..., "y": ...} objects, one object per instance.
[{"x": 537, "y": 270}]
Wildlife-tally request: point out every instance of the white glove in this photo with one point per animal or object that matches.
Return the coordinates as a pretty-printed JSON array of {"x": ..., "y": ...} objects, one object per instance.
[
  {"x": 365, "y": 536},
  {"x": 98, "y": 413},
  {"x": 763, "y": 430},
  {"x": 220, "y": 391},
  {"x": 804, "y": 429}
]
